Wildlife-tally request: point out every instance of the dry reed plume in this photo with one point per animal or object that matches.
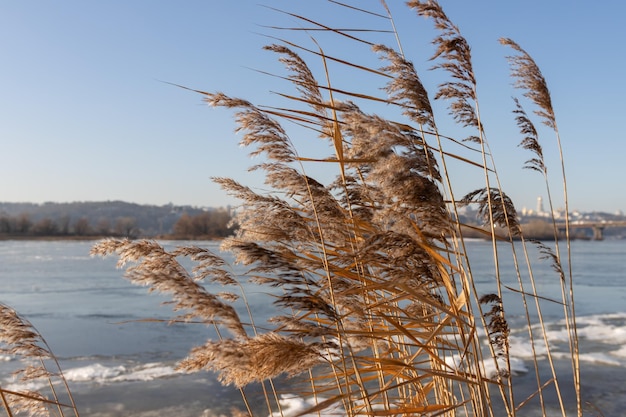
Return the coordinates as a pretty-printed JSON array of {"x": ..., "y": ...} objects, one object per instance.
[
  {"x": 20, "y": 339},
  {"x": 378, "y": 308}
]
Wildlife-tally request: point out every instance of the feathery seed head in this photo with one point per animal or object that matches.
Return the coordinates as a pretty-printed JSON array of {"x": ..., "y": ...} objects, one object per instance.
[
  {"x": 18, "y": 337},
  {"x": 530, "y": 140},
  {"x": 253, "y": 360},
  {"x": 259, "y": 128},
  {"x": 454, "y": 53},
  {"x": 495, "y": 206},
  {"x": 160, "y": 271},
  {"x": 406, "y": 88},
  {"x": 301, "y": 76},
  {"x": 529, "y": 77}
]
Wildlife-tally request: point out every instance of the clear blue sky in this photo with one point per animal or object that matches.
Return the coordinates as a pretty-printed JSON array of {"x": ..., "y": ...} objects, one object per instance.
[{"x": 85, "y": 116}]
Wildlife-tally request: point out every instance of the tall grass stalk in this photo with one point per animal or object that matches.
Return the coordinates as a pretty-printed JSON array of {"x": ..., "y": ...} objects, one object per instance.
[{"x": 529, "y": 78}]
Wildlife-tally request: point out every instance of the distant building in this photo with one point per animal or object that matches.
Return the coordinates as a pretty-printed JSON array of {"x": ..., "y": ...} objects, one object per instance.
[{"x": 540, "y": 209}]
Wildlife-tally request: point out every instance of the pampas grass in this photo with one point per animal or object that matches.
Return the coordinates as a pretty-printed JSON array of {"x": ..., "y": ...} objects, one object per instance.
[{"x": 378, "y": 308}]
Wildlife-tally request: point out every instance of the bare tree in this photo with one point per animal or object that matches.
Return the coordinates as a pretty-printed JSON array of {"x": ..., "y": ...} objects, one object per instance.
[
  {"x": 82, "y": 227},
  {"x": 126, "y": 226}
]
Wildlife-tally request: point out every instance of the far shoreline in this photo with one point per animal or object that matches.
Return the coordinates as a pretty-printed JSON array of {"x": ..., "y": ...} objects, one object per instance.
[
  {"x": 54, "y": 238},
  {"x": 59, "y": 238}
]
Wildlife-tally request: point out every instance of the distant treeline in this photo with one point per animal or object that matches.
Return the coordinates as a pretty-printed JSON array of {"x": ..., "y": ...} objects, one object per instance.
[{"x": 120, "y": 219}]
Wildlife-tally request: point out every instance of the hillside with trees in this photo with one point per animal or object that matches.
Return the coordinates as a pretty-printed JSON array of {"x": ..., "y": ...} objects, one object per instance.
[{"x": 111, "y": 218}]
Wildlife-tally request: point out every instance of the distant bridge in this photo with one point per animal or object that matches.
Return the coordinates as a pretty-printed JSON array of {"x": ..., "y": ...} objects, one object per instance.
[{"x": 595, "y": 226}]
